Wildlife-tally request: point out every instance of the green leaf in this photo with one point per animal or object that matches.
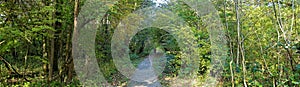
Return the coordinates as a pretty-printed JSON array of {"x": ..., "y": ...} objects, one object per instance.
[
  {"x": 41, "y": 28},
  {"x": 294, "y": 82},
  {"x": 298, "y": 67}
]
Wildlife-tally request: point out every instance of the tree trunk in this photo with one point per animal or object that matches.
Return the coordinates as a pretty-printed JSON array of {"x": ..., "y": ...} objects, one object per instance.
[
  {"x": 240, "y": 48},
  {"x": 68, "y": 57}
]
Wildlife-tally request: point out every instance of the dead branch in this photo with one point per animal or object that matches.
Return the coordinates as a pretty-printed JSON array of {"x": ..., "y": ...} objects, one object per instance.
[{"x": 10, "y": 68}]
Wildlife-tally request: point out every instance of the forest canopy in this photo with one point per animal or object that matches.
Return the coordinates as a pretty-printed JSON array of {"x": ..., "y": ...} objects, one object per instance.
[{"x": 150, "y": 43}]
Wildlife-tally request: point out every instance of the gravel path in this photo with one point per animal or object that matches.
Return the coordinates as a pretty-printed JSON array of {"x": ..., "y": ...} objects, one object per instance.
[{"x": 145, "y": 74}]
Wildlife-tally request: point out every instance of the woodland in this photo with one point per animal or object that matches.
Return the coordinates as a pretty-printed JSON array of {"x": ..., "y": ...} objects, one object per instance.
[{"x": 39, "y": 40}]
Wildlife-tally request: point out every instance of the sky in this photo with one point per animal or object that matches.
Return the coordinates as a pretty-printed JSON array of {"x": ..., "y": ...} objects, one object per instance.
[{"x": 158, "y": 2}]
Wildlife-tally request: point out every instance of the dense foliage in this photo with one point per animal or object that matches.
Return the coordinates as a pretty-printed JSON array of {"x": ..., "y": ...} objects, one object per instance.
[{"x": 263, "y": 37}]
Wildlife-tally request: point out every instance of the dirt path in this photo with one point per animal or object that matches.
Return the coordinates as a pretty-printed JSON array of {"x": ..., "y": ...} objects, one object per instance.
[{"x": 146, "y": 72}]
